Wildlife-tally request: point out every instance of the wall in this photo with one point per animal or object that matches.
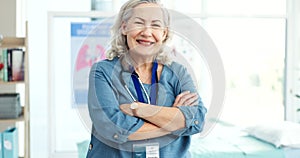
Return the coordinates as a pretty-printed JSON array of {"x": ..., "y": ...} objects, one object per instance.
[
  {"x": 37, "y": 30},
  {"x": 13, "y": 15},
  {"x": 8, "y": 17}
]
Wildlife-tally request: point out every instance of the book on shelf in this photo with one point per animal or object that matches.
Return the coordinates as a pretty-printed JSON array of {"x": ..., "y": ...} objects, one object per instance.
[
  {"x": 4, "y": 61},
  {"x": 13, "y": 64},
  {"x": 17, "y": 67},
  {"x": 10, "y": 143},
  {"x": 1, "y": 66},
  {"x": 9, "y": 65}
]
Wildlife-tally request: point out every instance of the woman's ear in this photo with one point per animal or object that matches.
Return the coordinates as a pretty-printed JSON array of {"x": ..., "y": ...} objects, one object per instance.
[
  {"x": 123, "y": 28},
  {"x": 165, "y": 34}
]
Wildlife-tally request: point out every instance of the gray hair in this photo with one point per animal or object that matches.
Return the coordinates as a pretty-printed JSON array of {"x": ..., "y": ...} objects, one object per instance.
[{"x": 118, "y": 43}]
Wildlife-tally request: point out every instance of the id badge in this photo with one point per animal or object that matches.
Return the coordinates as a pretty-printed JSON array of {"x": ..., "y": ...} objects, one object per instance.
[{"x": 148, "y": 150}]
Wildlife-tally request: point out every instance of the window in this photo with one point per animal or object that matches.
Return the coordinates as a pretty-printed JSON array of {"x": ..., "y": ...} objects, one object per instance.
[
  {"x": 250, "y": 36},
  {"x": 253, "y": 52}
]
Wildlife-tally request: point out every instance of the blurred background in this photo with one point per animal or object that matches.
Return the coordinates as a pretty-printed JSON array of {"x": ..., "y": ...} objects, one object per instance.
[{"x": 257, "y": 40}]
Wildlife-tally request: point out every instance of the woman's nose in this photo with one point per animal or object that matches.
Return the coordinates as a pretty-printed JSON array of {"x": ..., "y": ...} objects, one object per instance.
[{"x": 147, "y": 31}]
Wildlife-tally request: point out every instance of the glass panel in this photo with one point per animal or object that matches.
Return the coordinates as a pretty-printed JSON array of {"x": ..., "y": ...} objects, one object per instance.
[
  {"x": 187, "y": 6},
  {"x": 215, "y": 7},
  {"x": 253, "y": 52},
  {"x": 246, "y": 7},
  {"x": 102, "y": 5}
]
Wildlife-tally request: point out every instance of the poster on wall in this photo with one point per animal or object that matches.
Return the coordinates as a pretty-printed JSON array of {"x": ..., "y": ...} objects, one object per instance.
[{"x": 89, "y": 41}]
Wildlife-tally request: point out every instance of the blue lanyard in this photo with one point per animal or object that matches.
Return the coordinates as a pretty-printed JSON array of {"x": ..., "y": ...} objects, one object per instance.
[{"x": 139, "y": 85}]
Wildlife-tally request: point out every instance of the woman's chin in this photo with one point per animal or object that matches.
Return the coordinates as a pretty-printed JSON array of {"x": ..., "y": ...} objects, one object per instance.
[{"x": 145, "y": 50}]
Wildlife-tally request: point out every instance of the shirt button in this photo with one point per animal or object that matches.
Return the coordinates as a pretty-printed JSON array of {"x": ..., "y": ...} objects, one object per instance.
[
  {"x": 196, "y": 122},
  {"x": 116, "y": 136}
]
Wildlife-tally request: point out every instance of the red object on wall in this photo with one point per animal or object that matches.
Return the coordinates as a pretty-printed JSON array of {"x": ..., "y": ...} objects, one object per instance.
[{"x": 1, "y": 66}]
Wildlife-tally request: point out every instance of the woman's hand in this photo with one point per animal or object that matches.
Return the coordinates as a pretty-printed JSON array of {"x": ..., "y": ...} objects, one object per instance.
[
  {"x": 186, "y": 98},
  {"x": 125, "y": 108}
]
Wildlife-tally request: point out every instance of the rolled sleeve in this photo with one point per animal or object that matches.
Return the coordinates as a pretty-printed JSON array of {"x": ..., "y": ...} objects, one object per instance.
[{"x": 194, "y": 120}]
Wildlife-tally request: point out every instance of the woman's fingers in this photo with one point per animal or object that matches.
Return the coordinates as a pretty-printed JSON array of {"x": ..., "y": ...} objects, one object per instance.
[
  {"x": 178, "y": 97},
  {"x": 186, "y": 98},
  {"x": 193, "y": 100}
]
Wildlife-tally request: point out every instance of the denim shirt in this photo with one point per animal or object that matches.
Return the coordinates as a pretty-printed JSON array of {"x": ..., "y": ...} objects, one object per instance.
[{"x": 111, "y": 127}]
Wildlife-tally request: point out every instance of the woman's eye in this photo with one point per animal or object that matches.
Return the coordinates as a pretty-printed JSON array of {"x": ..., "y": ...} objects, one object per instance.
[
  {"x": 156, "y": 26},
  {"x": 139, "y": 23}
]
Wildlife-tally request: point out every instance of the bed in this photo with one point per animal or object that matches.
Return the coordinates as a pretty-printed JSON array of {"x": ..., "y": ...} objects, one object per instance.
[{"x": 228, "y": 141}]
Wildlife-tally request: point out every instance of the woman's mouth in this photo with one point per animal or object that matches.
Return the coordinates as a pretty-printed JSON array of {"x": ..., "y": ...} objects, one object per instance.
[{"x": 145, "y": 42}]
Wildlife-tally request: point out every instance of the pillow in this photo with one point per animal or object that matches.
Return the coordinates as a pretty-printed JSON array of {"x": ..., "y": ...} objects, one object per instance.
[{"x": 280, "y": 134}]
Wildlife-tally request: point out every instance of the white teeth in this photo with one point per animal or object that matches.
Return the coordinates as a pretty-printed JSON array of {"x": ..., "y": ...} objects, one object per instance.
[{"x": 145, "y": 43}]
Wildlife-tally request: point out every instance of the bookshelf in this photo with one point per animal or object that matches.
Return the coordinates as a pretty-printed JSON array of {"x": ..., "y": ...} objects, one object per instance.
[{"x": 24, "y": 118}]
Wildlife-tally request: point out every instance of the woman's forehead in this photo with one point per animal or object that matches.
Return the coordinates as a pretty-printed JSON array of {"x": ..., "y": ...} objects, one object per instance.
[{"x": 148, "y": 11}]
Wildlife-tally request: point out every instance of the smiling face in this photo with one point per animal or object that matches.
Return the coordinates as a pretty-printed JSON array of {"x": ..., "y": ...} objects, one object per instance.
[{"x": 145, "y": 31}]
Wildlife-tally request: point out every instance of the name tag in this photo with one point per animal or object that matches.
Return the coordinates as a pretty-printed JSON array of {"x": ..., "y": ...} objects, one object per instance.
[{"x": 148, "y": 150}]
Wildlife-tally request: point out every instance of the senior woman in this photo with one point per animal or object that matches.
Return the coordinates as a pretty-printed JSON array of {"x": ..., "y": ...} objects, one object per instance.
[{"x": 141, "y": 103}]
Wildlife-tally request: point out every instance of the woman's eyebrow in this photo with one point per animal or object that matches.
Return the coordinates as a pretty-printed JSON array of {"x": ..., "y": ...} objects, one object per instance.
[
  {"x": 139, "y": 18},
  {"x": 157, "y": 20}
]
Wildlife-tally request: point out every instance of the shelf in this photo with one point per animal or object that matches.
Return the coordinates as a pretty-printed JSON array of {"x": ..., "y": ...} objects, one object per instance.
[
  {"x": 11, "y": 82},
  {"x": 19, "y": 119},
  {"x": 8, "y": 87},
  {"x": 12, "y": 42}
]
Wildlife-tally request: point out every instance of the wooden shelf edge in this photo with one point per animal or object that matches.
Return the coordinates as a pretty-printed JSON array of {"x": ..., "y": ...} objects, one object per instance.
[
  {"x": 12, "y": 42},
  {"x": 19, "y": 119},
  {"x": 11, "y": 82}
]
